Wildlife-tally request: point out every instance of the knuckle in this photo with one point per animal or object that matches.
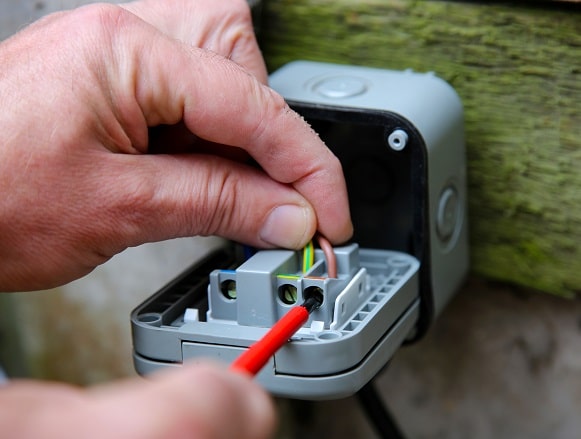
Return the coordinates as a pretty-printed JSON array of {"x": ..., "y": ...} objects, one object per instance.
[
  {"x": 220, "y": 208},
  {"x": 102, "y": 22},
  {"x": 277, "y": 102},
  {"x": 237, "y": 28},
  {"x": 239, "y": 8},
  {"x": 273, "y": 107}
]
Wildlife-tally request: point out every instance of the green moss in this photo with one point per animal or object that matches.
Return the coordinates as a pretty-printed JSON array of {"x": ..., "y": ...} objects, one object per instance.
[{"x": 517, "y": 72}]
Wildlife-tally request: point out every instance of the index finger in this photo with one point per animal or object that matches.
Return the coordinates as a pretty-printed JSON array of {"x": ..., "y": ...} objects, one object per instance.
[
  {"x": 163, "y": 80},
  {"x": 252, "y": 116}
]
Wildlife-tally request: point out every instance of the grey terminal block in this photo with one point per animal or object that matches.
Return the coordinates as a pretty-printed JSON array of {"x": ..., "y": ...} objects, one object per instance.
[{"x": 399, "y": 136}]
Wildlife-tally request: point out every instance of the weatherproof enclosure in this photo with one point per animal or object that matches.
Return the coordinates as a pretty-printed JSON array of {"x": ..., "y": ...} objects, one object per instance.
[{"x": 399, "y": 136}]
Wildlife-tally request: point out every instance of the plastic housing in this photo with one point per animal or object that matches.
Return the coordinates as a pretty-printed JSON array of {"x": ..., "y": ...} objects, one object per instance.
[
  {"x": 399, "y": 136},
  {"x": 429, "y": 111}
]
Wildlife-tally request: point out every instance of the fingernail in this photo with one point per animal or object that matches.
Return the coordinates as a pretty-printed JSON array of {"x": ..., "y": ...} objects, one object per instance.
[{"x": 287, "y": 226}]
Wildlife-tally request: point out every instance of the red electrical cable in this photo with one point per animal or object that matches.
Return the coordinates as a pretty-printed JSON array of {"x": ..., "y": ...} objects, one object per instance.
[{"x": 254, "y": 359}]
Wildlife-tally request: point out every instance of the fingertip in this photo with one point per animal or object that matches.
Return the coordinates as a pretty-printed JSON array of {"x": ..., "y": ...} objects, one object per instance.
[
  {"x": 238, "y": 399},
  {"x": 202, "y": 400},
  {"x": 335, "y": 222},
  {"x": 289, "y": 226},
  {"x": 260, "y": 418},
  {"x": 342, "y": 240},
  {"x": 345, "y": 232}
]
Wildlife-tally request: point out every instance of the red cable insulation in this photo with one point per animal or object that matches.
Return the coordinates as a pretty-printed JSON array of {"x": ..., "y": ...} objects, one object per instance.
[{"x": 255, "y": 357}]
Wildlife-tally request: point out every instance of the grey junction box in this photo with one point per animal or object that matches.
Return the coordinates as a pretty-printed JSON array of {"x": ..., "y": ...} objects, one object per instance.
[{"x": 399, "y": 136}]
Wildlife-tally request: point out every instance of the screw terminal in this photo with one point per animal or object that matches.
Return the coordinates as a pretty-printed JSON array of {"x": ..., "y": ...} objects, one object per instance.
[{"x": 261, "y": 290}]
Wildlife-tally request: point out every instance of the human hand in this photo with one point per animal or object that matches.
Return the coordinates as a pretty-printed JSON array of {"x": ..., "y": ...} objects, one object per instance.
[
  {"x": 80, "y": 89},
  {"x": 204, "y": 401}
]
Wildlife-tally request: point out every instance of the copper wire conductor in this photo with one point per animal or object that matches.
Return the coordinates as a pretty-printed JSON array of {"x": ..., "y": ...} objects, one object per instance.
[{"x": 330, "y": 258}]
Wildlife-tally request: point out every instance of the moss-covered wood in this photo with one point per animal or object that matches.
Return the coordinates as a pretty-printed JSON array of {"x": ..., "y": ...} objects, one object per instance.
[{"x": 518, "y": 71}]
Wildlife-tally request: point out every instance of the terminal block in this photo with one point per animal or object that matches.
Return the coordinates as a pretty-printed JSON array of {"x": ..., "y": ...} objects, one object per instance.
[
  {"x": 367, "y": 311},
  {"x": 261, "y": 290}
]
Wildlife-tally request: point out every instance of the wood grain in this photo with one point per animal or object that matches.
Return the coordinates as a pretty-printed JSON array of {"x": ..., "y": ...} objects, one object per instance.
[{"x": 518, "y": 72}]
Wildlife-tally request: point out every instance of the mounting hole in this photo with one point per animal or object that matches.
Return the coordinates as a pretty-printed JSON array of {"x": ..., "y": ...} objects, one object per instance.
[
  {"x": 328, "y": 335},
  {"x": 228, "y": 288},
  {"x": 150, "y": 318},
  {"x": 314, "y": 292},
  {"x": 397, "y": 140},
  {"x": 288, "y": 294}
]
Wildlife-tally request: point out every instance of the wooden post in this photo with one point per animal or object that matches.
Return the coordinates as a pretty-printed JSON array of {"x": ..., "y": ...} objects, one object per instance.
[{"x": 518, "y": 72}]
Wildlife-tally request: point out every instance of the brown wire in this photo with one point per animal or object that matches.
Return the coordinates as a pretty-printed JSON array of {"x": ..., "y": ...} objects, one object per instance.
[{"x": 330, "y": 258}]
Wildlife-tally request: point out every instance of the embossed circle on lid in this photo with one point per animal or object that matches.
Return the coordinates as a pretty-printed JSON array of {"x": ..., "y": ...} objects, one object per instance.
[{"x": 339, "y": 87}]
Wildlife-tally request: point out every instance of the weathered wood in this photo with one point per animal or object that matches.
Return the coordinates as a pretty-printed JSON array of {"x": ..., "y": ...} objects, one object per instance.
[{"x": 518, "y": 71}]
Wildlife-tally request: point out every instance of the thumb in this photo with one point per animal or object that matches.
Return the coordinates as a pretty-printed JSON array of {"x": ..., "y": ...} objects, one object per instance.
[
  {"x": 201, "y": 401},
  {"x": 223, "y": 104},
  {"x": 186, "y": 195}
]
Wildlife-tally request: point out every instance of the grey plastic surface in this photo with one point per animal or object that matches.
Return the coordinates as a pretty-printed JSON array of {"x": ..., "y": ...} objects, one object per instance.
[
  {"x": 332, "y": 386},
  {"x": 375, "y": 303},
  {"x": 368, "y": 310},
  {"x": 434, "y": 108},
  {"x": 259, "y": 279}
]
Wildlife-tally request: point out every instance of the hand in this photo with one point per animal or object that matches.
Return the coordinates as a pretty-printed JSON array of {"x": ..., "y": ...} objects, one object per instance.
[
  {"x": 80, "y": 89},
  {"x": 196, "y": 402},
  {"x": 223, "y": 27}
]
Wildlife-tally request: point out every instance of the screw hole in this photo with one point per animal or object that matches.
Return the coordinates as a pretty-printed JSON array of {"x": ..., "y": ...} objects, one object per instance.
[
  {"x": 397, "y": 140},
  {"x": 329, "y": 335},
  {"x": 150, "y": 318},
  {"x": 314, "y": 292},
  {"x": 287, "y": 294},
  {"x": 228, "y": 288}
]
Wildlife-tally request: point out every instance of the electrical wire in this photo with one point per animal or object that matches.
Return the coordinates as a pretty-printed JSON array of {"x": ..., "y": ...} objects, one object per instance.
[
  {"x": 330, "y": 258},
  {"x": 378, "y": 413},
  {"x": 255, "y": 357},
  {"x": 308, "y": 256}
]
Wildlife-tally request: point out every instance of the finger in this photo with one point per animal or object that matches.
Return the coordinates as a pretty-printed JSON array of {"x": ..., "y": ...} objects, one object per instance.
[
  {"x": 223, "y": 27},
  {"x": 205, "y": 401},
  {"x": 26, "y": 407},
  {"x": 149, "y": 198},
  {"x": 233, "y": 108},
  {"x": 260, "y": 122}
]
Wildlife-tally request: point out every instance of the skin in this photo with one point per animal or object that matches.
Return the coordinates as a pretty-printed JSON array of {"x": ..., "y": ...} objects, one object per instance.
[
  {"x": 203, "y": 401},
  {"x": 75, "y": 150},
  {"x": 89, "y": 95}
]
